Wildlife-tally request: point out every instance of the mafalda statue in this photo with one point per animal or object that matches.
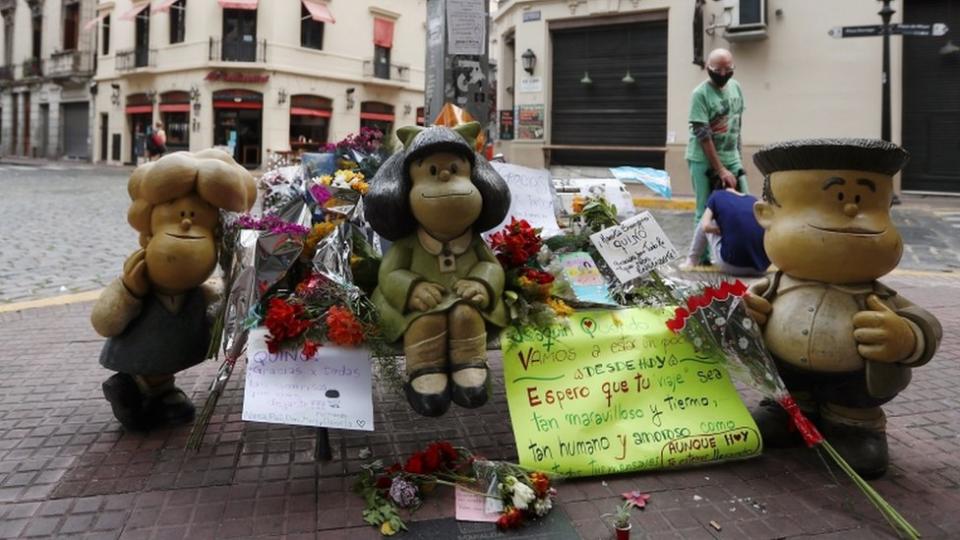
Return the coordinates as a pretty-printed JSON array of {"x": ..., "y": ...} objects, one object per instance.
[
  {"x": 844, "y": 343},
  {"x": 439, "y": 283},
  {"x": 156, "y": 314}
]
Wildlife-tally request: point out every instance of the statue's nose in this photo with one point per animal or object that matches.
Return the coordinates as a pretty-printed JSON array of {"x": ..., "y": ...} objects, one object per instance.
[
  {"x": 185, "y": 224},
  {"x": 851, "y": 209},
  {"x": 444, "y": 175}
]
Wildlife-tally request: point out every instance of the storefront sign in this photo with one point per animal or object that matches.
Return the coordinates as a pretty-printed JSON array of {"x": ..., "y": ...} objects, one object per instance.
[
  {"x": 531, "y": 16},
  {"x": 530, "y": 121},
  {"x": 329, "y": 389},
  {"x": 506, "y": 125},
  {"x": 238, "y": 77},
  {"x": 616, "y": 391},
  {"x": 531, "y": 84}
]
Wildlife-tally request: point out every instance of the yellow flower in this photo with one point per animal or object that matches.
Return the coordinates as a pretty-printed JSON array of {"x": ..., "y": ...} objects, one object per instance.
[
  {"x": 317, "y": 233},
  {"x": 326, "y": 179},
  {"x": 359, "y": 186},
  {"x": 386, "y": 529},
  {"x": 577, "y": 204},
  {"x": 525, "y": 282},
  {"x": 560, "y": 307}
]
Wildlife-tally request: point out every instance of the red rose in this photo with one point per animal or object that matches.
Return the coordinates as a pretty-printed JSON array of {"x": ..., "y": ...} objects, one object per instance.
[
  {"x": 449, "y": 452},
  {"x": 310, "y": 348},
  {"x": 384, "y": 482},
  {"x": 415, "y": 464}
]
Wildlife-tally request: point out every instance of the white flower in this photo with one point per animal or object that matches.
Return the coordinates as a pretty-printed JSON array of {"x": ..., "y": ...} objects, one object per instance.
[
  {"x": 523, "y": 495},
  {"x": 719, "y": 321},
  {"x": 697, "y": 342},
  {"x": 743, "y": 343},
  {"x": 542, "y": 506},
  {"x": 747, "y": 323}
]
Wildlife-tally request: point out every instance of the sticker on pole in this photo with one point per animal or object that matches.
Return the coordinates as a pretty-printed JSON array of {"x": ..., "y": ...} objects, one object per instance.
[{"x": 635, "y": 247}]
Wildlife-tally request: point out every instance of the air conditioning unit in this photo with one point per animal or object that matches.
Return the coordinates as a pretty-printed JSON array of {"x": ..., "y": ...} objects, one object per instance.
[{"x": 748, "y": 20}]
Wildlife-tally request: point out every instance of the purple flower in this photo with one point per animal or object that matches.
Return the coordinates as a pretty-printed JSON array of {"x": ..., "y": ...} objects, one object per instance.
[
  {"x": 320, "y": 193},
  {"x": 404, "y": 493},
  {"x": 271, "y": 223}
]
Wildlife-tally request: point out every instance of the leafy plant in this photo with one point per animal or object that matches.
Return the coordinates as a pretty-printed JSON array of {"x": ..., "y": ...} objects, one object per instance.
[{"x": 621, "y": 515}]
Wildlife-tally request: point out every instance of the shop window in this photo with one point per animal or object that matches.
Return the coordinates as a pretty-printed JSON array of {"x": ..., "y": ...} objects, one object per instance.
[
  {"x": 311, "y": 31},
  {"x": 309, "y": 122},
  {"x": 178, "y": 21},
  {"x": 36, "y": 22},
  {"x": 105, "y": 38},
  {"x": 175, "y": 114},
  {"x": 71, "y": 25}
]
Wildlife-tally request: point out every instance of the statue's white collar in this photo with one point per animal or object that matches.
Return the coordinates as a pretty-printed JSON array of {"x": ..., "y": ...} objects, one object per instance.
[{"x": 433, "y": 246}]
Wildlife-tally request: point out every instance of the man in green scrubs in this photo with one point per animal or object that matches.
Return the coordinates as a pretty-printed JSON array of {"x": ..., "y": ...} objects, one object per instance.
[{"x": 716, "y": 108}]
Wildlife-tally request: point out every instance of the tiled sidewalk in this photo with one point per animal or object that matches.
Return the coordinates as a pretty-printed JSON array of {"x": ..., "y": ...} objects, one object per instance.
[{"x": 67, "y": 470}]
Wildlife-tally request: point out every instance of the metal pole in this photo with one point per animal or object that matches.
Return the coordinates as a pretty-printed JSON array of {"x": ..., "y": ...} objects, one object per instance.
[{"x": 886, "y": 12}]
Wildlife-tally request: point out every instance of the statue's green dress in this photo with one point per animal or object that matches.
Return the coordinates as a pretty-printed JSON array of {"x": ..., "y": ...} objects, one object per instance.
[{"x": 420, "y": 257}]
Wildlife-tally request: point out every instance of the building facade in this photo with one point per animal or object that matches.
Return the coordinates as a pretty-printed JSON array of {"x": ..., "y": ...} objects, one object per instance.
[
  {"x": 258, "y": 78},
  {"x": 47, "y": 64},
  {"x": 608, "y": 82}
]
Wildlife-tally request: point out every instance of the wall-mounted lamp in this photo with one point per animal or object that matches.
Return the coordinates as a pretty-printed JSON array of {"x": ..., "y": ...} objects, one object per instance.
[
  {"x": 586, "y": 78},
  {"x": 350, "y": 101},
  {"x": 281, "y": 96},
  {"x": 628, "y": 78},
  {"x": 529, "y": 61},
  {"x": 152, "y": 96},
  {"x": 195, "y": 125},
  {"x": 115, "y": 94},
  {"x": 194, "y": 94}
]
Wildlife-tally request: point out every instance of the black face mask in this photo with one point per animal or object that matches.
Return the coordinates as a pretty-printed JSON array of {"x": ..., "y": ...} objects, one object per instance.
[{"x": 719, "y": 79}]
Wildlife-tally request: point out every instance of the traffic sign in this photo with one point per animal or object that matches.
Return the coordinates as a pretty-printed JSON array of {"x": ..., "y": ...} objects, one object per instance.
[
  {"x": 871, "y": 30},
  {"x": 867, "y": 30}
]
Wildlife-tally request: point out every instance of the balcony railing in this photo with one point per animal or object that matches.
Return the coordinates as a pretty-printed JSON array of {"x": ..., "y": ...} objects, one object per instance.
[
  {"x": 238, "y": 50},
  {"x": 6, "y": 74},
  {"x": 69, "y": 63},
  {"x": 32, "y": 67},
  {"x": 135, "y": 58},
  {"x": 393, "y": 72}
]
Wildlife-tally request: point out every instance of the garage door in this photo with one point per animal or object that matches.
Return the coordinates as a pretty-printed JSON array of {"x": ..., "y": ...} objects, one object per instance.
[
  {"x": 76, "y": 132},
  {"x": 931, "y": 101},
  {"x": 625, "y": 100}
]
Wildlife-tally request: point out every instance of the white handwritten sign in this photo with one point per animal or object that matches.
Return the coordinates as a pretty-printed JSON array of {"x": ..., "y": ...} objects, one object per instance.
[
  {"x": 635, "y": 247},
  {"x": 531, "y": 198},
  {"x": 329, "y": 389}
]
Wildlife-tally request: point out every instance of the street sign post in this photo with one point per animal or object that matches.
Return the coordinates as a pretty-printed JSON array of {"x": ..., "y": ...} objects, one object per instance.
[{"x": 885, "y": 30}]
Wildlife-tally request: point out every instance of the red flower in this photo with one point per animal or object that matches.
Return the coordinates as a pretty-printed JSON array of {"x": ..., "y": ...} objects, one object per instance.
[
  {"x": 343, "y": 328},
  {"x": 310, "y": 348},
  {"x": 538, "y": 276},
  {"x": 415, "y": 464},
  {"x": 449, "y": 452},
  {"x": 516, "y": 244},
  {"x": 431, "y": 458},
  {"x": 284, "y": 321},
  {"x": 541, "y": 484},
  {"x": 510, "y": 519},
  {"x": 384, "y": 482}
]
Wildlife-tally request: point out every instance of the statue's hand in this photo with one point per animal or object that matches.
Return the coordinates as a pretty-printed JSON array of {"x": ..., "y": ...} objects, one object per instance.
[
  {"x": 425, "y": 296},
  {"x": 881, "y": 334},
  {"x": 758, "y": 307},
  {"x": 135, "y": 274},
  {"x": 472, "y": 292}
]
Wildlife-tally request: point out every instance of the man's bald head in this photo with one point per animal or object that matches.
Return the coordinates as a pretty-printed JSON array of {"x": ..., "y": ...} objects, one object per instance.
[{"x": 720, "y": 60}]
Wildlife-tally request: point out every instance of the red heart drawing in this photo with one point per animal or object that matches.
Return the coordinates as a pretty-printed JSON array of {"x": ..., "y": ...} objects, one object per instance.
[
  {"x": 737, "y": 436},
  {"x": 588, "y": 323}
]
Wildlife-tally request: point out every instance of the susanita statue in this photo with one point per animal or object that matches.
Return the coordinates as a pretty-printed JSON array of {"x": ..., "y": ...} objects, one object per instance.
[
  {"x": 844, "y": 343},
  {"x": 439, "y": 283},
  {"x": 157, "y": 315}
]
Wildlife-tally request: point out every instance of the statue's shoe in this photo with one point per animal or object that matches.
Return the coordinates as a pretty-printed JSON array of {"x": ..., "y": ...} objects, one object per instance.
[
  {"x": 428, "y": 404},
  {"x": 775, "y": 426},
  {"x": 127, "y": 401},
  {"x": 172, "y": 407},
  {"x": 864, "y": 449},
  {"x": 471, "y": 397}
]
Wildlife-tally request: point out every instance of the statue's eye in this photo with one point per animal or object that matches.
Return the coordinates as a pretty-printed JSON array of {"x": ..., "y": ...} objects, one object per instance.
[
  {"x": 453, "y": 168},
  {"x": 183, "y": 214},
  {"x": 433, "y": 170},
  {"x": 856, "y": 199},
  {"x": 193, "y": 214},
  {"x": 840, "y": 196}
]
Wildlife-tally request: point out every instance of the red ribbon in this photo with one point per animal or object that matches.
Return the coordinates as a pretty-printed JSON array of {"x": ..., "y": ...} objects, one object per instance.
[
  {"x": 807, "y": 430},
  {"x": 698, "y": 301}
]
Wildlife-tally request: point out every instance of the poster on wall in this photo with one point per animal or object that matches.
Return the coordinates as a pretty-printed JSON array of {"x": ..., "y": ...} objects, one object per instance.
[
  {"x": 530, "y": 122},
  {"x": 466, "y": 27},
  {"x": 506, "y": 125},
  {"x": 615, "y": 391}
]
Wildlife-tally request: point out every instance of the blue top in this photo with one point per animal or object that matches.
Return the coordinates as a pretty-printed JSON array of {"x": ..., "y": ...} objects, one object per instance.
[{"x": 742, "y": 236}]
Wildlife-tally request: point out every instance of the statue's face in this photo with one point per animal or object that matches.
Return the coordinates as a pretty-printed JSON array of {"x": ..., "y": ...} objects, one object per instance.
[
  {"x": 443, "y": 198},
  {"x": 182, "y": 250},
  {"x": 832, "y": 226}
]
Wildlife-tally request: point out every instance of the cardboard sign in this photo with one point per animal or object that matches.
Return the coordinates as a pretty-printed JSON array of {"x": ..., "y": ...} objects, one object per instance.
[
  {"x": 329, "y": 389},
  {"x": 585, "y": 278},
  {"x": 474, "y": 507},
  {"x": 616, "y": 391},
  {"x": 531, "y": 198},
  {"x": 635, "y": 247}
]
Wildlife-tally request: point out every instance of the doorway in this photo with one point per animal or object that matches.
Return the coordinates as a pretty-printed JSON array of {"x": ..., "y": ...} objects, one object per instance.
[
  {"x": 26, "y": 124},
  {"x": 104, "y": 122},
  {"x": 239, "y": 35},
  {"x": 44, "y": 130},
  {"x": 76, "y": 120},
  {"x": 238, "y": 123},
  {"x": 139, "y": 122}
]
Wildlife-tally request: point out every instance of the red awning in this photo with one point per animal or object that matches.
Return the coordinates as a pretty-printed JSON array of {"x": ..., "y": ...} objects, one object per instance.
[
  {"x": 238, "y": 4},
  {"x": 93, "y": 22},
  {"x": 303, "y": 111},
  {"x": 163, "y": 6},
  {"x": 379, "y": 117},
  {"x": 237, "y": 105},
  {"x": 139, "y": 109},
  {"x": 383, "y": 33},
  {"x": 132, "y": 13},
  {"x": 174, "y": 107},
  {"x": 319, "y": 11}
]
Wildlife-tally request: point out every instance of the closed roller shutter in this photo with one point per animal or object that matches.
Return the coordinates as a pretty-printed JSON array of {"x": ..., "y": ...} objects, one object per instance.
[
  {"x": 931, "y": 101},
  {"x": 76, "y": 130},
  {"x": 609, "y": 111}
]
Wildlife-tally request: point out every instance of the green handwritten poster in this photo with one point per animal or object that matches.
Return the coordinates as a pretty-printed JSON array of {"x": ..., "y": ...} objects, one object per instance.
[{"x": 616, "y": 391}]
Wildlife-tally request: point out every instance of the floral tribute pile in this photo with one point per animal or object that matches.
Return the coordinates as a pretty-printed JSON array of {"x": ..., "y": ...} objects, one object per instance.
[{"x": 388, "y": 490}]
